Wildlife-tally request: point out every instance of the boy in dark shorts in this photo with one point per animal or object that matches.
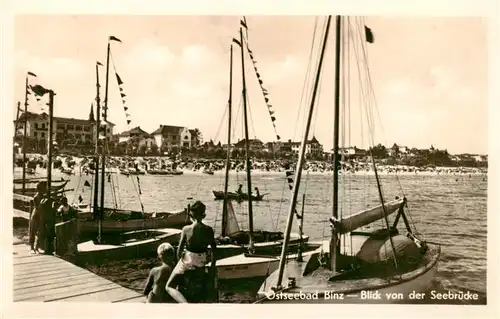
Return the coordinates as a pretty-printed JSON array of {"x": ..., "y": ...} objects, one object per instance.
[{"x": 158, "y": 276}]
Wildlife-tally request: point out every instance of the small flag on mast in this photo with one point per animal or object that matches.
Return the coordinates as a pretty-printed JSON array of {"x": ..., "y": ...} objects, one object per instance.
[
  {"x": 237, "y": 42},
  {"x": 369, "y": 35},
  {"x": 87, "y": 184},
  {"x": 99, "y": 63},
  {"x": 243, "y": 22},
  {"x": 31, "y": 73},
  {"x": 39, "y": 90},
  {"x": 113, "y": 38}
]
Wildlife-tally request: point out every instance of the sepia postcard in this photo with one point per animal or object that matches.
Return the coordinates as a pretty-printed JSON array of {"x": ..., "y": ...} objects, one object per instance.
[{"x": 242, "y": 153}]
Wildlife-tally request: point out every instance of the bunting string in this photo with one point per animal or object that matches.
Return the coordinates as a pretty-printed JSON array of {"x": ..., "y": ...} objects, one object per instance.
[
  {"x": 265, "y": 93},
  {"x": 122, "y": 94}
]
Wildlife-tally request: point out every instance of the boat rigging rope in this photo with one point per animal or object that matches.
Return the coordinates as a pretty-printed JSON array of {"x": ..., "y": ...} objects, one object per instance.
[
  {"x": 77, "y": 187},
  {"x": 375, "y": 105}
]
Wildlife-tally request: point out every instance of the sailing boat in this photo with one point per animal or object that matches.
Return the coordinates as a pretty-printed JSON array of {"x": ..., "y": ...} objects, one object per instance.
[
  {"x": 359, "y": 261},
  {"x": 233, "y": 239},
  {"x": 135, "y": 243},
  {"x": 239, "y": 196}
]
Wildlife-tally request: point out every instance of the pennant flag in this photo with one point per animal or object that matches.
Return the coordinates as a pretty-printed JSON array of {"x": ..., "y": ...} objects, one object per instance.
[
  {"x": 112, "y": 38},
  {"x": 87, "y": 184},
  {"x": 273, "y": 118},
  {"x": 120, "y": 82},
  {"x": 243, "y": 23},
  {"x": 128, "y": 121},
  {"x": 123, "y": 94},
  {"x": 258, "y": 75},
  {"x": 237, "y": 42},
  {"x": 31, "y": 73},
  {"x": 39, "y": 90},
  {"x": 266, "y": 99},
  {"x": 99, "y": 63},
  {"x": 279, "y": 138},
  {"x": 80, "y": 199},
  {"x": 125, "y": 108},
  {"x": 251, "y": 56},
  {"x": 369, "y": 35}
]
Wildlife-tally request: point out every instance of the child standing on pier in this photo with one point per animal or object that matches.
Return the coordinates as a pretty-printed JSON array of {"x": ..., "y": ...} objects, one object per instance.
[{"x": 158, "y": 277}]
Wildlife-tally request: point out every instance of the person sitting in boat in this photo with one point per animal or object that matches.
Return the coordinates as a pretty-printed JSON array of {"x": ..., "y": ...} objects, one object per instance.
[
  {"x": 158, "y": 276},
  {"x": 35, "y": 220},
  {"x": 257, "y": 192},
  {"x": 240, "y": 189},
  {"x": 65, "y": 211},
  {"x": 193, "y": 250}
]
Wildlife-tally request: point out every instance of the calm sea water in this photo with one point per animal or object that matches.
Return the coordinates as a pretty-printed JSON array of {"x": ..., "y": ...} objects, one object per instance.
[{"x": 447, "y": 209}]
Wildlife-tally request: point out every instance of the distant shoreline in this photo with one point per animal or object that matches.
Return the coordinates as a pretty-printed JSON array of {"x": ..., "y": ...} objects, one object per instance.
[{"x": 272, "y": 167}]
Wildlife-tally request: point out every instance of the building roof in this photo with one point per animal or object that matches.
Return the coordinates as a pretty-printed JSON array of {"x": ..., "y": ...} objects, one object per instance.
[
  {"x": 136, "y": 131},
  {"x": 168, "y": 129},
  {"x": 45, "y": 116},
  {"x": 250, "y": 141}
]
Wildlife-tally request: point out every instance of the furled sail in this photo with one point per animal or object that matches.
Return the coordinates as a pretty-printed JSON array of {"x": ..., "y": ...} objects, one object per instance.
[
  {"x": 365, "y": 217},
  {"x": 232, "y": 226}
]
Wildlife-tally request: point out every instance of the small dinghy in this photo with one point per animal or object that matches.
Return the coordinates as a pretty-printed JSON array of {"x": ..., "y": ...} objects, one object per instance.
[
  {"x": 129, "y": 245},
  {"x": 219, "y": 195}
]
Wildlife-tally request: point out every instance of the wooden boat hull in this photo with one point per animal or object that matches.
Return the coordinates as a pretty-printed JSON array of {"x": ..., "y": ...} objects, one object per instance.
[
  {"x": 244, "y": 266},
  {"x": 219, "y": 195},
  {"x": 272, "y": 248},
  {"x": 94, "y": 253},
  {"x": 364, "y": 290},
  {"x": 153, "y": 221}
]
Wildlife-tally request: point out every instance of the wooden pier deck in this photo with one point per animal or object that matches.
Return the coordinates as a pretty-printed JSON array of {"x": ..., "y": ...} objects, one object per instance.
[{"x": 48, "y": 278}]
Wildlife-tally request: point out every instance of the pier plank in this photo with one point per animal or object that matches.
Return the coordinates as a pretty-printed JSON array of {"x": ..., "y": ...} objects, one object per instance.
[{"x": 46, "y": 278}]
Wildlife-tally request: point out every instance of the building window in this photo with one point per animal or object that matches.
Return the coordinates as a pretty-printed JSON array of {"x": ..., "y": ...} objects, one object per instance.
[
  {"x": 36, "y": 134},
  {"x": 43, "y": 134},
  {"x": 86, "y": 128},
  {"x": 36, "y": 126},
  {"x": 78, "y": 128},
  {"x": 70, "y": 127}
]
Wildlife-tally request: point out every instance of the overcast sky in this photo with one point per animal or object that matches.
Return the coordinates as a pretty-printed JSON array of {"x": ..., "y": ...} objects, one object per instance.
[{"x": 429, "y": 75}]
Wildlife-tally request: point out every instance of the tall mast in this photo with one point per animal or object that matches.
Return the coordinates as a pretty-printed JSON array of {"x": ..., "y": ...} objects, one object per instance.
[
  {"x": 228, "y": 157},
  {"x": 96, "y": 157},
  {"x": 25, "y": 132},
  {"x": 15, "y": 134},
  {"x": 247, "y": 146},
  {"x": 300, "y": 163},
  {"x": 335, "y": 242},
  {"x": 50, "y": 146},
  {"x": 104, "y": 118}
]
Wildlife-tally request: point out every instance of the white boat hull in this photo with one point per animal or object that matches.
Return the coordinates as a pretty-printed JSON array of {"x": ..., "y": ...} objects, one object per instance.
[{"x": 244, "y": 267}]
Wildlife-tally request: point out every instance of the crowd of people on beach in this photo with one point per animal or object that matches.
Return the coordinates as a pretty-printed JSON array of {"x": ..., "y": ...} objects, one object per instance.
[{"x": 73, "y": 166}]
